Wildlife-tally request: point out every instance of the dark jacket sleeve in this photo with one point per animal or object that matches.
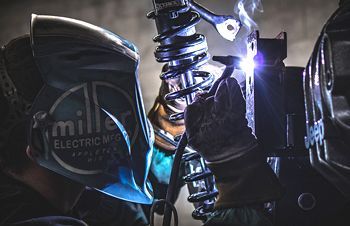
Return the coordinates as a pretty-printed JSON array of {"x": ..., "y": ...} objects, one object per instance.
[
  {"x": 243, "y": 216},
  {"x": 97, "y": 209},
  {"x": 51, "y": 221}
]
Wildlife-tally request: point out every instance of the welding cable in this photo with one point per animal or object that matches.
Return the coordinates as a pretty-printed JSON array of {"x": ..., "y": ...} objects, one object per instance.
[
  {"x": 173, "y": 180},
  {"x": 172, "y": 206}
]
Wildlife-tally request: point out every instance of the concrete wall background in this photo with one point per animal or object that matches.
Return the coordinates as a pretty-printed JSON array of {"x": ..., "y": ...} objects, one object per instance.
[{"x": 301, "y": 19}]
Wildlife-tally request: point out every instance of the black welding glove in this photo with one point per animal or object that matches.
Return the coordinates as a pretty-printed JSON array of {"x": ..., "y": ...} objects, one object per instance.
[{"x": 217, "y": 128}]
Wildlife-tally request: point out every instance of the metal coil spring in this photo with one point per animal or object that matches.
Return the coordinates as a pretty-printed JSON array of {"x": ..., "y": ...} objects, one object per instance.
[{"x": 182, "y": 59}]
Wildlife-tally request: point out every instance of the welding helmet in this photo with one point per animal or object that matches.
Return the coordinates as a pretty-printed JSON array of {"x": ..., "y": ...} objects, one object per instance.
[
  {"x": 88, "y": 121},
  {"x": 327, "y": 103}
]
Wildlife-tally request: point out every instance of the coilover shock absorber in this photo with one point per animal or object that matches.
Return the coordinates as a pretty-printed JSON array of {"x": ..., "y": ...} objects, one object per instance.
[{"x": 183, "y": 51}]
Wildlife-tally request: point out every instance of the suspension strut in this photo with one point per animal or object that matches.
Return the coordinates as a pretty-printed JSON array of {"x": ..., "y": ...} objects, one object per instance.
[{"x": 183, "y": 51}]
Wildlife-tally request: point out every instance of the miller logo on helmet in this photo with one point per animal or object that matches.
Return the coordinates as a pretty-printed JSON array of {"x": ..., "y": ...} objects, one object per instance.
[{"x": 83, "y": 136}]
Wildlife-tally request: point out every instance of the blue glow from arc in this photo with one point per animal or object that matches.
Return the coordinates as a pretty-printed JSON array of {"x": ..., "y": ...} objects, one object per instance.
[{"x": 161, "y": 165}]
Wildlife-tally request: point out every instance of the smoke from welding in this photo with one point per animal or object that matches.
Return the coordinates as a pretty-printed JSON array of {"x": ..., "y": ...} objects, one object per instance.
[{"x": 246, "y": 9}]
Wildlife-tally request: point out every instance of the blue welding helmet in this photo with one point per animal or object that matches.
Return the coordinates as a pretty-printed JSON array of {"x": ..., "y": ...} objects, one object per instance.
[{"x": 88, "y": 121}]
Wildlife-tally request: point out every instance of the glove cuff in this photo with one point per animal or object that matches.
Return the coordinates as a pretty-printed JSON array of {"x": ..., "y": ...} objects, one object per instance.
[
  {"x": 245, "y": 180},
  {"x": 159, "y": 117}
]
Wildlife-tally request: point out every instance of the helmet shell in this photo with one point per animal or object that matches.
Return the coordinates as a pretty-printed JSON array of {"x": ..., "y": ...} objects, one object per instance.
[{"x": 89, "y": 122}]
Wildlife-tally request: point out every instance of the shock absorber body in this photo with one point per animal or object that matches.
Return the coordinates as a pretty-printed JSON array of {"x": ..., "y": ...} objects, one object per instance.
[{"x": 183, "y": 51}]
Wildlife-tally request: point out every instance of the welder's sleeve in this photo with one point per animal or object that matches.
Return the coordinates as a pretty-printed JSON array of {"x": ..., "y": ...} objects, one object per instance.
[
  {"x": 243, "y": 216},
  {"x": 159, "y": 176},
  {"x": 97, "y": 209},
  {"x": 217, "y": 128},
  {"x": 52, "y": 221}
]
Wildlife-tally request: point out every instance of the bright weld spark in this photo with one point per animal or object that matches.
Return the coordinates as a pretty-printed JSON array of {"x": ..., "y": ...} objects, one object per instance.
[{"x": 247, "y": 65}]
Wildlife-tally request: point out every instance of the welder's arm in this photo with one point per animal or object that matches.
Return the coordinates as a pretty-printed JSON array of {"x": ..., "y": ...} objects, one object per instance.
[
  {"x": 217, "y": 128},
  {"x": 97, "y": 209},
  {"x": 163, "y": 152},
  {"x": 52, "y": 221}
]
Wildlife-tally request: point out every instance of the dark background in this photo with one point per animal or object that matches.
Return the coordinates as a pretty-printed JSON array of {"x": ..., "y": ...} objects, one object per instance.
[{"x": 301, "y": 19}]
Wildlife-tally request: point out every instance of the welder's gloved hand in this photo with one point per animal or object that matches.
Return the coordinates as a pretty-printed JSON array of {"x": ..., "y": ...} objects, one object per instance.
[
  {"x": 161, "y": 111},
  {"x": 217, "y": 128}
]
